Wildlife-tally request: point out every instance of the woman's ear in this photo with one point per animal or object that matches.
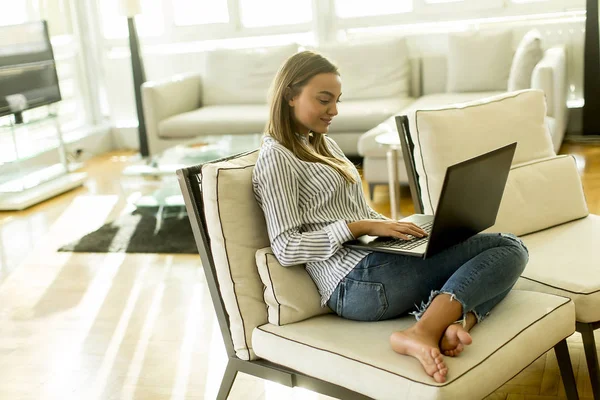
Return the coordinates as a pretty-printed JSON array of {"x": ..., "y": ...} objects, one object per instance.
[{"x": 288, "y": 96}]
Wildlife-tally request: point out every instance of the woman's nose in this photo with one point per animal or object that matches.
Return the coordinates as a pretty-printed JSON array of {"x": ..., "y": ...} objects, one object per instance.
[{"x": 333, "y": 111}]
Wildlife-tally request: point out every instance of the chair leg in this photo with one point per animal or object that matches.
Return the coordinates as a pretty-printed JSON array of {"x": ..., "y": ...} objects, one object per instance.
[
  {"x": 566, "y": 369},
  {"x": 371, "y": 190},
  {"x": 227, "y": 382},
  {"x": 591, "y": 356}
]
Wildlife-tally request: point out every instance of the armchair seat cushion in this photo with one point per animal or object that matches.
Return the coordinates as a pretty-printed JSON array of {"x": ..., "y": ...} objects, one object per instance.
[
  {"x": 357, "y": 355},
  {"x": 565, "y": 260},
  {"x": 216, "y": 120}
]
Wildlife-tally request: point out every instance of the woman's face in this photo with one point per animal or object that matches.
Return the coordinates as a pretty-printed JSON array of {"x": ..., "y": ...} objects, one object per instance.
[{"x": 316, "y": 104}]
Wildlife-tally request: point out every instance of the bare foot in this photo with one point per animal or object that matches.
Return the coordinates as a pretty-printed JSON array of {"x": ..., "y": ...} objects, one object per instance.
[
  {"x": 422, "y": 348},
  {"x": 454, "y": 340}
]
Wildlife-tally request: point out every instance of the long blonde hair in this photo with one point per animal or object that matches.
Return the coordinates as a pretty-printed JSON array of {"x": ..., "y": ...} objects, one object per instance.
[{"x": 289, "y": 81}]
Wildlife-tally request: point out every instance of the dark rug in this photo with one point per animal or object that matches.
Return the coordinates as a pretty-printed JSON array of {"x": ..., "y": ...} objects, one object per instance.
[{"x": 146, "y": 230}]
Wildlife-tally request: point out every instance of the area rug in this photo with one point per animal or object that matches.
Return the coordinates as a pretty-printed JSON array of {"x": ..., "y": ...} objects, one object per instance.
[{"x": 146, "y": 230}]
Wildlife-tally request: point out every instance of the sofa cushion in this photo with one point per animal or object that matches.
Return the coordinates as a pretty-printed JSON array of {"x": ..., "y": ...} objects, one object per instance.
[
  {"x": 446, "y": 136},
  {"x": 371, "y": 70},
  {"x": 242, "y": 76},
  {"x": 540, "y": 194},
  {"x": 528, "y": 54},
  {"x": 574, "y": 273},
  {"x": 362, "y": 115},
  {"x": 290, "y": 293},
  {"x": 479, "y": 61},
  {"x": 237, "y": 229},
  {"x": 521, "y": 328},
  {"x": 216, "y": 120}
]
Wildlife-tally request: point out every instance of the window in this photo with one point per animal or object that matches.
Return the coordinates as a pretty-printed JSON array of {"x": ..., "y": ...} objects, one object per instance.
[
  {"x": 13, "y": 12},
  {"x": 114, "y": 25},
  {"x": 262, "y": 13},
  {"x": 362, "y": 8},
  {"x": 200, "y": 12}
]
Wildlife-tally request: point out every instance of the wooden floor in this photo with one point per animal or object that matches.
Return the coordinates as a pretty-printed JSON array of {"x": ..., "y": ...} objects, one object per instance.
[{"x": 123, "y": 326}]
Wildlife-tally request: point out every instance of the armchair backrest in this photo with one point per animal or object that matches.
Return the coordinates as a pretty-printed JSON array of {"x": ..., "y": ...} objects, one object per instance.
[
  {"x": 543, "y": 189},
  {"x": 229, "y": 227}
]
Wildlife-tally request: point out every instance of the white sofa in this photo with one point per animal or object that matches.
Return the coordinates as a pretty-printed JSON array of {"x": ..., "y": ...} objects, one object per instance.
[
  {"x": 379, "y": 81},
  {"x": 549, "y": 75},
  {"x": 231, "y": 96}
]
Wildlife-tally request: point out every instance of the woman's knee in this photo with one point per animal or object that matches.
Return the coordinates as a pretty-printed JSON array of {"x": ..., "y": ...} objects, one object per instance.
[{"x": 517, "y": 247}]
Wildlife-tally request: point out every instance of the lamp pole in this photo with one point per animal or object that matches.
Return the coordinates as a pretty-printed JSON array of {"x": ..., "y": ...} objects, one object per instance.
[
  {"x": 131, "y": 8},
  {"x": 591, "y": 73}
]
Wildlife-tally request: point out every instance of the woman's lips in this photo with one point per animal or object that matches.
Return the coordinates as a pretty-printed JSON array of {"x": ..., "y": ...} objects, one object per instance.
[{"x": 327, "y": 121}]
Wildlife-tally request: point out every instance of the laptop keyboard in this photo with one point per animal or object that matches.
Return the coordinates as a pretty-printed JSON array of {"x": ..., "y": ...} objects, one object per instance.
[{"x": 408, "y": 244}]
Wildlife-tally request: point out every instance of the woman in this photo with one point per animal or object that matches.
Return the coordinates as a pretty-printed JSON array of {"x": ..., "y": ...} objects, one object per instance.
[{"x": 313, "y": 202}]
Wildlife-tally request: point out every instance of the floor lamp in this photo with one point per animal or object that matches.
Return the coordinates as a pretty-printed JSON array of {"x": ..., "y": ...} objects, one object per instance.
[
  {"x": 591, "y": 73},
  {"x": 131, "y": 8}
]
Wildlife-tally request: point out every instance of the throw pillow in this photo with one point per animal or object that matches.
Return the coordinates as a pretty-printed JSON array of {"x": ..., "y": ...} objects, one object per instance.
[
  {"x": 528, "y": 54},
  {"x": 371, "y": 70},
  {"x": 290, "y": 293},
  {"x": 242, "y": 76},
  {"x": 479, "y": 62}
]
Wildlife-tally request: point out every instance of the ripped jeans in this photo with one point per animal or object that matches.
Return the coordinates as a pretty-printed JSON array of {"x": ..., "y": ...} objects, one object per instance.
[{"x": 478, "y": 273}]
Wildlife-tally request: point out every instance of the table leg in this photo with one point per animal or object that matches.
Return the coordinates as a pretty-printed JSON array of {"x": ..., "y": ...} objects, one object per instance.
[{"x": 393, "y": 157}]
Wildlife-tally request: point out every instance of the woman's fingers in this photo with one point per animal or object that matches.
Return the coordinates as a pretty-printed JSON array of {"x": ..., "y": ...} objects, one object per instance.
[{"x": 412, "y": 231}]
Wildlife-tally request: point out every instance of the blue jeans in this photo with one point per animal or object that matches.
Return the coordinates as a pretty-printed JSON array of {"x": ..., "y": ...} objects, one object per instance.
[{"x": 478, "y": 273}]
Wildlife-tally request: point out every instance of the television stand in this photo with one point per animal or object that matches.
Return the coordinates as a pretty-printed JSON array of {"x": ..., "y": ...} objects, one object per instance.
[{"x": 24, "y": 180}]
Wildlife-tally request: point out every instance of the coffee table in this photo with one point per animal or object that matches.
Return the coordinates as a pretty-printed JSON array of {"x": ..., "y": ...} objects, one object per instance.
[{"x": 197, "y": 151}]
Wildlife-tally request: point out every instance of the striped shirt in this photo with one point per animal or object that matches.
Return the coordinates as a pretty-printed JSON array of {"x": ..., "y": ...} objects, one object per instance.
[{"x": 307, "y": 207}]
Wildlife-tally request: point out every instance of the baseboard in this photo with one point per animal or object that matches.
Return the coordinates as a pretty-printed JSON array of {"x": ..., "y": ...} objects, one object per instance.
[{"x": 583, "y": 139}]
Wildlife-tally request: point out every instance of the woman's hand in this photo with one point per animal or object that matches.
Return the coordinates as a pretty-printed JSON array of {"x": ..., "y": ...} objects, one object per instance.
[{"x": 388, "y": 228}]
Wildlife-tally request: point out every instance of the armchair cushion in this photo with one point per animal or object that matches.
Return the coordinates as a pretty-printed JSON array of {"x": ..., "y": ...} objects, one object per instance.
[
  {"x": 242, "y": 76},
  {"x": 479, "y": 61},
  {"x": 564, "y": 260},
  {"x": 357, "y": 355},
  {"x": 446, "y": 136},
  {"x": 237, "y": 229},
  {"x": 541, "y": 194},
  {"x": 290, "y": 293}
]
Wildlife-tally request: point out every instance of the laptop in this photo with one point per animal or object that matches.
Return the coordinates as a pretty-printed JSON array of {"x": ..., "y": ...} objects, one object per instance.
[{"x": 469, "y": 203}]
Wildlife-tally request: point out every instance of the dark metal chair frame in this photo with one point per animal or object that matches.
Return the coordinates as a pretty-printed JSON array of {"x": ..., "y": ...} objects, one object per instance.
[
  {"x": 190, "y": 183},
  {"x": 586, "y": 329}
]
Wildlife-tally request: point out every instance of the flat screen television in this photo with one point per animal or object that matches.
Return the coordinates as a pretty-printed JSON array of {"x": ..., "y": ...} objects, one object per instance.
[{"x": 28, "y": 77}]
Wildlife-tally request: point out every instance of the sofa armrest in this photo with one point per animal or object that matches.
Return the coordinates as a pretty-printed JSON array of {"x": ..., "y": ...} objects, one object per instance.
[
  {"x": 166, "y": 98},
  {"x": 550, "y": 76}
]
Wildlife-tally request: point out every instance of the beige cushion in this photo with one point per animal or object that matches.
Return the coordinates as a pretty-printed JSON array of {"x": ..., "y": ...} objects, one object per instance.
[
  {"x": 565, "y": 260},
  {"x": 290, "y": 293},
  {"x": 446, "y": 136},
  {"x": 540, "y": 194},
  {"x": 242, "y": 76},
  {"x": 528, "y": 54},
  {"x": 373, "y": 69},
  {"x": 479, "y": 61},
  {"x": 237, "y": 229},
  {"x": 216, "y": 120},
  {"x": 357, "y": 355}
]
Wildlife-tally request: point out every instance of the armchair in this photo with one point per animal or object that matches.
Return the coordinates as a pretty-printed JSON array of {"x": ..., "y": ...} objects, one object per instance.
[
  {"x": 543, "y": 201},
  {"x": 325, "y": 353}
]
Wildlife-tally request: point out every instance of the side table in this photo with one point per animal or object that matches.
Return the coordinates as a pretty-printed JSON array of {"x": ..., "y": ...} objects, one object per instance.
[{"x": 394, "y": 152}]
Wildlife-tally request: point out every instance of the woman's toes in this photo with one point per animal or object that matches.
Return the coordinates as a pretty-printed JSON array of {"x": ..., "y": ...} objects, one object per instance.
[{"x": 439, "y": 378}]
